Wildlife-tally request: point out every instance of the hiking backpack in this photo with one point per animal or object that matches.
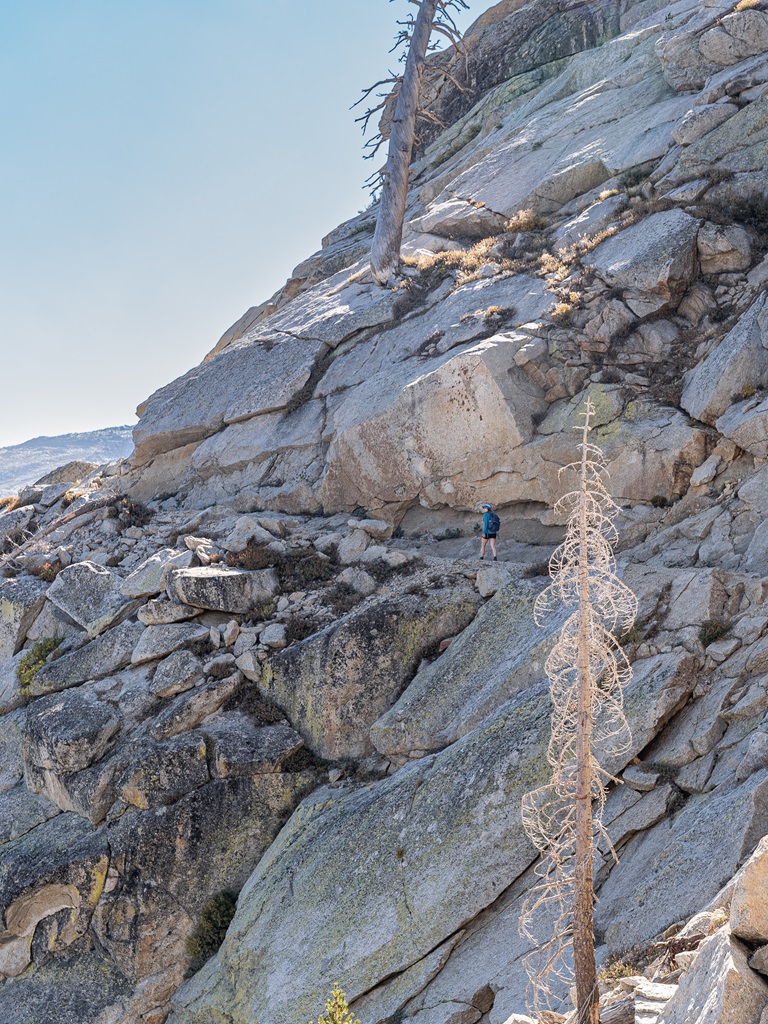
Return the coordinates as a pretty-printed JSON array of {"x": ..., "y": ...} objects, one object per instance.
[{"x": 493, "y": 523}]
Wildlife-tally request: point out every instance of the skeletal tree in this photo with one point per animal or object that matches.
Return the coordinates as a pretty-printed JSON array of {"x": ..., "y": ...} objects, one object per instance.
[
  {"x": 414, "y": 36},
  {"x": 588, "y": 671}
]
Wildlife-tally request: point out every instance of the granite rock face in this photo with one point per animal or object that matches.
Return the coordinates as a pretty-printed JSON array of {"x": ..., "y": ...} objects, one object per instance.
[{"x": 289, "y": 678}]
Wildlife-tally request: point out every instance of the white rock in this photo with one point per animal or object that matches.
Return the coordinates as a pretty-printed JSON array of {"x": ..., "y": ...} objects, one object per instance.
[
  {"x": 89, "y": 595},
  {"x": 247, "y": 528},
  {"x": 719, "y": 988},
  {"x": 749, "y": 904},
  {"x": 706, "y": 472},
  {"x": 376, "y": 528},
  {"x": 491, "y": 578},
  {"x": 723, "y": 248}
]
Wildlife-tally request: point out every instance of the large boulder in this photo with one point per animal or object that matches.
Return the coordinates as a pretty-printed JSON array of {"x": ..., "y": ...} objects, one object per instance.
[
  {"x": 222, "y": 589},
  {"x": 740, "y": 359},
  {"x": 719, "y": 988},
  {"x": 749, "y": 903},
  {"x": 653, "y": 261},
  {"x": 21, "y": 600},
  {"x": 334, "y": 685},
  {"x": 101, "y": 657},
  {"x": 204, "y": 401},
  {"x": 88, "y": 595},
  {"x": 148, "y": 578},
  {"x": 67, "y": 732},
  {"x": 497, "y": 655},
  {"x": 396, "y": 441},
  {"x": 736, "y": 36},
  {"x": 705, "y": 842}
]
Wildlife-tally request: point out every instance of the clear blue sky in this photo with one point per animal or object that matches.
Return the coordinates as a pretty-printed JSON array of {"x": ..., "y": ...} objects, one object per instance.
[{"x": 166, "y": 164}]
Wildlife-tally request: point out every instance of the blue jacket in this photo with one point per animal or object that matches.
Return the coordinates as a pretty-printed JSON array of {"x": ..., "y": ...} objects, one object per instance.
[{"x": 486, "y": 521}]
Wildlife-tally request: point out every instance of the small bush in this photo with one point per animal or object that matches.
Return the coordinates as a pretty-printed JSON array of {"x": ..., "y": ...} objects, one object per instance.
[
  {"x": 9, "y": 503},
  {"x": 205, "y": 940},
  {"x": 535, "y": 570},
  {"x": 253, "y": 556},
  {"x": 132, "y": 513},
  {"x": 745, "y": 5},
  {"x": 712, "y": 630},
  {"x": 337, "y": 1010},
  {"x": 342, "y": 598},
  {"x": 47, "y": 572},
  {"x": 34, "y": 660},
  {"x": 298, "y": 629},
  {"x": 660, "y": 501},
  {"x": 465, "y": 263},
  {"x": 632, "y": 178},
  {"x": 627, "y": 963},
  {"x": 562, "y": 313},
  {"x": 526, "y": 220},
  {"x": 263, "y": 610},
  {"x": 748, "y": 391}
]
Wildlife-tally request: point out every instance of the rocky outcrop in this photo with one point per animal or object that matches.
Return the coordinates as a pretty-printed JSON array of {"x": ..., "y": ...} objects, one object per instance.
[{"x": 287, "y": 677}]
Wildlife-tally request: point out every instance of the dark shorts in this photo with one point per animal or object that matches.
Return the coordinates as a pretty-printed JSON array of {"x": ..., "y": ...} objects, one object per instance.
[{"x": 489, "y": 536}]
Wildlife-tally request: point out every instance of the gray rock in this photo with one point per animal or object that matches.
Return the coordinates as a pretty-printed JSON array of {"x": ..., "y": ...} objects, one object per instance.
[
  {"x": 719, "y": 987},
  {"x": 705, "y": 841},
  {"x": 21, "y": 811},
  {"x": 162, "y": 773},
  {"x": 740, "y": 358},
  {"x": 746, "y": 423},
  {"x": 247, "y": 528},
  {"x": 160, "y": 641},
  {"x": 699, "y": 121},
  {"x": 67, "y": 732},
  {"x": 14, "y": 522},
  {"x": 220, "y": 588},
  {"x": 238, "y": 748},
  {"x": 101, "y": 657},
  {"x": 179, "y": 672},
  {"x": 189, "y": 709},
  {"x": 274, "y": 636},
  {"x": 738, "y": 35},
  {"x": 353, "y": 546},
  {"x": 491, "y": 578},
  {"x": 10, "y": 692},
  {"x": 163, "y": 612},
  {"x": 334, "y": 685},
  {"x": 654, "y": 261},
  {"x": 89, "y": 595},
  {"x": 204, "y": 400},
  {"x": 21, "y": 600},
  {"x": 148, "y": 579},
  {"x": 358, "y": 579},
  {"x": 723, "y": 248},
  {"x": 494, "y": 659}
]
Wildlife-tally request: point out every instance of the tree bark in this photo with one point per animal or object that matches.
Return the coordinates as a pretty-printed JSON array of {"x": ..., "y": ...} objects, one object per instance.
[
  {"x": 385, "y": 252},
  {"x": 587, "y": 996}
]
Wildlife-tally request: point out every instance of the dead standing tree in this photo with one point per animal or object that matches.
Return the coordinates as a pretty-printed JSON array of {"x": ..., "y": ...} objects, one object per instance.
[
  {"x": 432, "y": 16},
  {"x": 588, "y": 671}
]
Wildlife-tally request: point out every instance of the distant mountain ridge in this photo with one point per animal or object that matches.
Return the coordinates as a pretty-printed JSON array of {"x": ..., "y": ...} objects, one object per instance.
[{"x": 22, "y": 464}]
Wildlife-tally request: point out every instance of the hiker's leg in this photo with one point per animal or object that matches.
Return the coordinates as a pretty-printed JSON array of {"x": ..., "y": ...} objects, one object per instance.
[
  {"x": 493, "y": 546},
  {"x": 483, "y": 542}
]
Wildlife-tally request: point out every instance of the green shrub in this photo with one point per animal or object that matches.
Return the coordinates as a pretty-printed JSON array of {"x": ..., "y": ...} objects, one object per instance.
[
  {"x": 712, "y": 630},
  {"x": 299, "y": 628},
  {"x": 205, "y": 940},
  {"x": 298, "y": 569},
  {"x": 34, "y": 660}
]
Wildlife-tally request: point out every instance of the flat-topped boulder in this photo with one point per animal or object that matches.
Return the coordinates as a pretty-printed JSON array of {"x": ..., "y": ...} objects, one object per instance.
[{"x": 223, "y": 589}]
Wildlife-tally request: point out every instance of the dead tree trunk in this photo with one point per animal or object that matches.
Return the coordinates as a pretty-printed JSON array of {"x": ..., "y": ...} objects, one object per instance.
[
  {"x": 588, "y": 671},
  {"x": 585, "y": 971},
  {"x": 385, "y": 252}
]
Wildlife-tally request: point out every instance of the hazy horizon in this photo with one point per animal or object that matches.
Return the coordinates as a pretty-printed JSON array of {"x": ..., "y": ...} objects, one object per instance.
[{"x": 168, "y": 165}]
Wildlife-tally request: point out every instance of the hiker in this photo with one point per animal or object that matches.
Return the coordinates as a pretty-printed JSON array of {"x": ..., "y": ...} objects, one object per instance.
[{"x": 491, "y": 525}]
